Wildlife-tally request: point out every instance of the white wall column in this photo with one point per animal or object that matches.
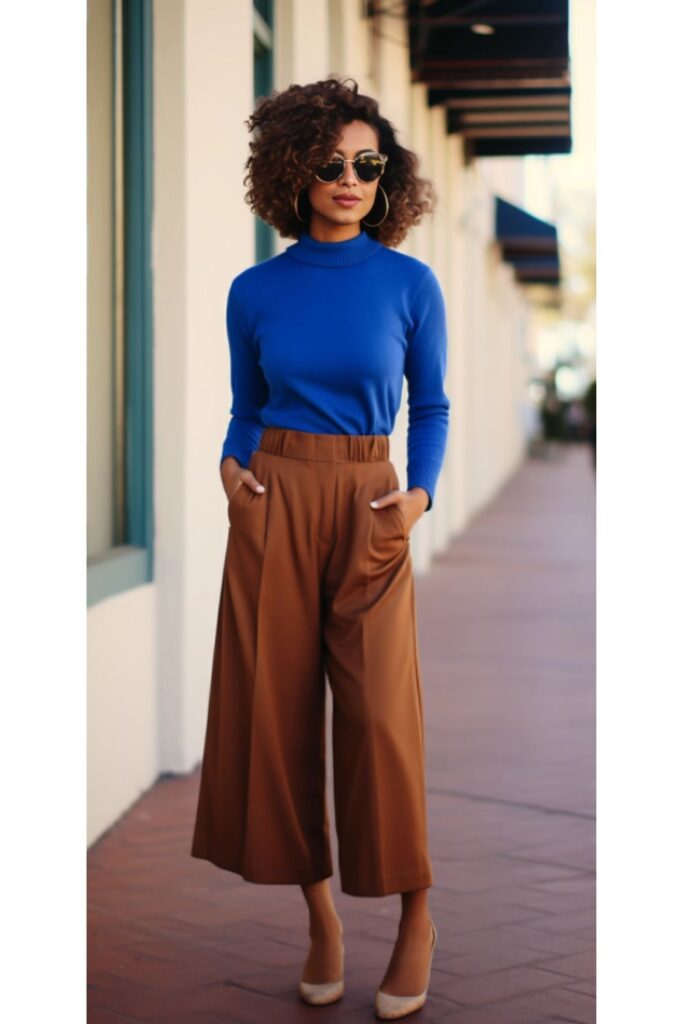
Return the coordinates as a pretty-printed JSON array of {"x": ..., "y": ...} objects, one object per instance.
[
  {"x": 302, "y": 42},
  {"x": 202, "y": 238}
]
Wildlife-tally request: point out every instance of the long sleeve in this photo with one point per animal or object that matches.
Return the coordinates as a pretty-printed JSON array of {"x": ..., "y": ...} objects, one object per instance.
[
  {"x": 249, "y": 387},
  {"x": 425, "y": 371}
]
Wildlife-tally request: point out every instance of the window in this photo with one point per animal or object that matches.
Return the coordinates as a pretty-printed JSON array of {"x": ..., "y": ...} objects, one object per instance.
[
  {"x": 120, "y": 522},
  {"x": 263, "y": 84}
]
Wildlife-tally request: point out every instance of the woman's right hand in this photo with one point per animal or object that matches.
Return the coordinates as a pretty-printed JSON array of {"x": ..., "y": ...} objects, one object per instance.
[{"x": 235, "y": 476}]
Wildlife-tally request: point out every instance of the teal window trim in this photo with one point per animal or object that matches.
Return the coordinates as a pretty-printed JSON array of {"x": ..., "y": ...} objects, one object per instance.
[
  {"x": 120, "y": 569},
  {"x": 132, "y": 564}
]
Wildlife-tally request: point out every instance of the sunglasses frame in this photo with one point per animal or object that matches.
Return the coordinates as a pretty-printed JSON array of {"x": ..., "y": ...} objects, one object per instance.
[{"x": 352, "y": 160}]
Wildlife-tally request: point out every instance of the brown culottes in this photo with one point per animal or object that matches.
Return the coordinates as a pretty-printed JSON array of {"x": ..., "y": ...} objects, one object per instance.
[{"x": 316, "y": 584}]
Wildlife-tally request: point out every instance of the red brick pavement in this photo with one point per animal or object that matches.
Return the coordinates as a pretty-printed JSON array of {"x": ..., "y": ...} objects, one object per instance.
[{"x": 506, "y": 626}]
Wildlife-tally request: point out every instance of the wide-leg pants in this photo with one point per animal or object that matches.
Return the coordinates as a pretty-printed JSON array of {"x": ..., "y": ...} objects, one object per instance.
[{"x": 316, "y": 585}]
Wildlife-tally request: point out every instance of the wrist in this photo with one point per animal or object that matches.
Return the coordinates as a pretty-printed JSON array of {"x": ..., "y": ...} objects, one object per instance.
[
  {"x": 423, "y": 495},
  {"x": 230, "y": 463},
  {"x": 229, "y": 469}
]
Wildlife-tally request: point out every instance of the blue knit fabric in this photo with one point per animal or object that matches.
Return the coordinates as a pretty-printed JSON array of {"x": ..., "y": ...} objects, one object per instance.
[{"x": 321, "y": 336}]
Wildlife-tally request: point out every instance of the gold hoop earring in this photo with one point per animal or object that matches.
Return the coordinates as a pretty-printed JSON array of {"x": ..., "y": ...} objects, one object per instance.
[
  {"x": 386, "y": 211},
  {"x": 296, "y": 209}
]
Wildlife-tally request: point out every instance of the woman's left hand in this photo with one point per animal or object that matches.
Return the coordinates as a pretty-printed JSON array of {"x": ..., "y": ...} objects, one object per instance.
[{"x": 413, "y": 503}]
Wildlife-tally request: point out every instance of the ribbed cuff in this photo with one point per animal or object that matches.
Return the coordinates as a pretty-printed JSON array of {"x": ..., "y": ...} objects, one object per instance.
[
  {"x": 236, "y": 451},
  {"x": 421, "y": 477}
]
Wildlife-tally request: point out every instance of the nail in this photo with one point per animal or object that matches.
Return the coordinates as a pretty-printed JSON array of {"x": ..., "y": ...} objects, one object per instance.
[
  {"x": 260, "y": 488},
  {"x": 373, "y": 504}
]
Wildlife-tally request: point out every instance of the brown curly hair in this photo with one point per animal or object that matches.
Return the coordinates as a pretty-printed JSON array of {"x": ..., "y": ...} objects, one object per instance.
[{"x": 295, "y": 132}]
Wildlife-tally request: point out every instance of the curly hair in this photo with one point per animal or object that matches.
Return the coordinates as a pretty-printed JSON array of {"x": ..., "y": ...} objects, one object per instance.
[{"x": 295, "y": 132}]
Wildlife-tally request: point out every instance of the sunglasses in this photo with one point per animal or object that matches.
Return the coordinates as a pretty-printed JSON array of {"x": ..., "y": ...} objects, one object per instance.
[{"x": 367, "y": 166}]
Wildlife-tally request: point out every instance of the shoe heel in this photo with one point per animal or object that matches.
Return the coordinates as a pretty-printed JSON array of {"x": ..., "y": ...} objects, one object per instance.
[
  {"x": 388, "y": 1007},
  {"x": 322, "y": 993}
]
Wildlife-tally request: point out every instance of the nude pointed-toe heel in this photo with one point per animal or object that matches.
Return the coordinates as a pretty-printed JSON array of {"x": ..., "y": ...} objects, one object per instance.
[
  {"x": 321, "y": 993},
  {"x": 388, "y": 1007}
]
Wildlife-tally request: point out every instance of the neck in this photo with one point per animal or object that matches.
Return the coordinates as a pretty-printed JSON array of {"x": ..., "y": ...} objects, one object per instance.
[
  {"x": 334, "y": 254},
  {"x": 322, "y": 229}
]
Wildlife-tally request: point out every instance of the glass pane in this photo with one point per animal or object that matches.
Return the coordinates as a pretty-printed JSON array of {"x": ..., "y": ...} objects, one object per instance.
[
  {"x": 265, "y": 9},
  {"x": 101, "y": 273},
  {"x": 263, "y": 84}
]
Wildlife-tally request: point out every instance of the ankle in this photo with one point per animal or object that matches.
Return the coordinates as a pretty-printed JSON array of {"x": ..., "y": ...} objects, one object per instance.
[
  {"x": 415, "y": 921},
  {"x": 329, "y": 926}
]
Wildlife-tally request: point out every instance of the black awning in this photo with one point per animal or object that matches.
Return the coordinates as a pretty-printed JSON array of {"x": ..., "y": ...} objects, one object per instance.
[
  {"x": 500, "y": 69},
  {"x": 528, "y": 243}
]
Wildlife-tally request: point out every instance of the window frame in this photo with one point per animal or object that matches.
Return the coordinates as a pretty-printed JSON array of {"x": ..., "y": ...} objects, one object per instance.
[{"x": 131, "y": 564}]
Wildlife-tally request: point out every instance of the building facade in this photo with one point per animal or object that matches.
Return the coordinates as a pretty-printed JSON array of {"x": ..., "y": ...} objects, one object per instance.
[{"x": 170, "y": 86}]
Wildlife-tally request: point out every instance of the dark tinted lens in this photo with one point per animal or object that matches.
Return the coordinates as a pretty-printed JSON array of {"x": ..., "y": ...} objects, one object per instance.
[
  {"x": 368, "y": 167},
  {"x": 331, "y": 171}
]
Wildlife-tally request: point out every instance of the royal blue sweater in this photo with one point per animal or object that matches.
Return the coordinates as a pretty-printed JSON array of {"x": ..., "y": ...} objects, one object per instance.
[{"x": 321, "y": 336}]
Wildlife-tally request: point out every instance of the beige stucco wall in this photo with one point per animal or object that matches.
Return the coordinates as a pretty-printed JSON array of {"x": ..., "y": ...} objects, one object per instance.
[
  {"x": 150, "y": 649},
  {"x": 122, "y": 707}
]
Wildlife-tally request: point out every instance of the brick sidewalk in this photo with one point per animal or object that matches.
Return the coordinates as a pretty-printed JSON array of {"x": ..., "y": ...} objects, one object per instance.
[{"x": 506, "y": 628}]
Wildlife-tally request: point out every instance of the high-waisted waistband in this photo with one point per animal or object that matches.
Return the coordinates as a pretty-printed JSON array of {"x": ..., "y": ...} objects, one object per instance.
[{"x": 301, "y": 444}]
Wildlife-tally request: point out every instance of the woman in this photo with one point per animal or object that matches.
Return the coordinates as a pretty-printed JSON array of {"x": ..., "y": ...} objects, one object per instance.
[{"x": 318, "y": 579}]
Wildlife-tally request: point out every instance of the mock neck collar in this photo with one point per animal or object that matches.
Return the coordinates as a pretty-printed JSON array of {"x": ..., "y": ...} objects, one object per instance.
[{"x": 333, "y": 254}]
